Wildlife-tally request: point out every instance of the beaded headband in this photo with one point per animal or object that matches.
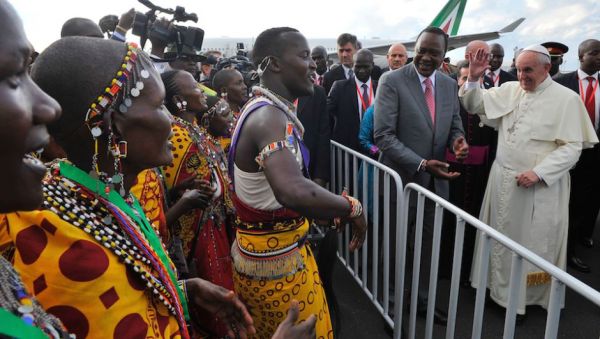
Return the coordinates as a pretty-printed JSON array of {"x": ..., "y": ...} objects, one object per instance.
[
  {"x": 218, "y": 108},
  {"x": 127, "y": 83}
]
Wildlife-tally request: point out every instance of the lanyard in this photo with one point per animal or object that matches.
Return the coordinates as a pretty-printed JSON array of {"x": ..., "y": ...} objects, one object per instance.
[
  {"x": 495, "y": 78},
  {"x": 582, "y": 93},
  {"x": 365, "y": 105}
]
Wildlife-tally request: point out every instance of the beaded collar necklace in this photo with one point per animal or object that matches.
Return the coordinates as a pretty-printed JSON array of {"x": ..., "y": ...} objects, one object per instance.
[
  {"x": 20, "y": 314},
  {"x": 216, "y": 151},
  {"x": 216, "y": 158},
  {"x": 287, "y": 107},
  {"x": 203, "y": 140},
  {"x": 87, "y": 204}
]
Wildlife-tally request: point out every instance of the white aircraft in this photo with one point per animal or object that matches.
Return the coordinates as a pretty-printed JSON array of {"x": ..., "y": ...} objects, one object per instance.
[{"x": 448, "y": 19}]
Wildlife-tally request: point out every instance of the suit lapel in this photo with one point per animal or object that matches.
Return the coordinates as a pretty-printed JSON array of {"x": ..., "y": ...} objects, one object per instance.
[
  {"x": 487, "y": 82},
  {"x": 502, "y": 77},
  {"x": 351, "y": 88},
  {"x": 439, "y": 89},
  {"x": 417, "y": 92},
  {"x": 575, "y": 82}
]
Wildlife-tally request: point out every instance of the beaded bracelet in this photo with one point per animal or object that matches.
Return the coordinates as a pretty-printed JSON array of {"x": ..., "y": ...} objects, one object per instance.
[{"x": 356, "y": 209}]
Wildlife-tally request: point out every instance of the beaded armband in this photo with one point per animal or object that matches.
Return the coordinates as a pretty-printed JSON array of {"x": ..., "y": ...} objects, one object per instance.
[
  {"x": 356, "y": 209},
  {"x": 273, "y": 147}
]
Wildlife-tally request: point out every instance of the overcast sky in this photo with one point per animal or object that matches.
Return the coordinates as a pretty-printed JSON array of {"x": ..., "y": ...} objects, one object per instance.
[{"x": 566, "y": 21}]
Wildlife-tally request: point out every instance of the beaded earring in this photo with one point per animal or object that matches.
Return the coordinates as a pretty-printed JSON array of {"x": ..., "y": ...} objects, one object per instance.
[
  {"x": 118, "y": 150},
  {"x": 181, "y": 105}
]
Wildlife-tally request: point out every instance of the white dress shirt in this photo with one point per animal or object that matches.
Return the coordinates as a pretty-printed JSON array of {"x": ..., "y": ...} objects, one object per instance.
[{"x": 358, "y": 96}]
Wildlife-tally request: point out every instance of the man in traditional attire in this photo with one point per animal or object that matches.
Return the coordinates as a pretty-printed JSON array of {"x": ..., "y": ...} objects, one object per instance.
[
  {"x": 542, "y": 128},
  {"x": 273, "y": 196}
]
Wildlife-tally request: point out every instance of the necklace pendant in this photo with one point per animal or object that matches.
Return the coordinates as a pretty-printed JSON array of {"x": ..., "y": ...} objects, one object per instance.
[{"x": 116, "y": 179}]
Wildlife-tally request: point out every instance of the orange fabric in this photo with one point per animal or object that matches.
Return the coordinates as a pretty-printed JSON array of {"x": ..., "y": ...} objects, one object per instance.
[{"x": 149, "y": 191}]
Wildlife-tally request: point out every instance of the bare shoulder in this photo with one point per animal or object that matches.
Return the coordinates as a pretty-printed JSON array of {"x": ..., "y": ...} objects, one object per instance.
[
  {"x": 266, "y": 125},
  {"x": 263, "y": 126}
]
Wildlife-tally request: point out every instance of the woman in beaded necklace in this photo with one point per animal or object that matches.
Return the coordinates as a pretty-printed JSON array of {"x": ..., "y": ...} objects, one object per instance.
[
  {"x": 92, "y": 257},
  {"x": 198, "y": 161},
  {"x": 24, "y": 110}
]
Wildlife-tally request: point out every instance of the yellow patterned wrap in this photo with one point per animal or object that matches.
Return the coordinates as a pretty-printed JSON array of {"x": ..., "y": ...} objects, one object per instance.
[{"x": 268, "y": 298}]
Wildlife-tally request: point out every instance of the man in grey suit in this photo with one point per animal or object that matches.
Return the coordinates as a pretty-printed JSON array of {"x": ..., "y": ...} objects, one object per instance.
[{"x": 417, "y": 117}]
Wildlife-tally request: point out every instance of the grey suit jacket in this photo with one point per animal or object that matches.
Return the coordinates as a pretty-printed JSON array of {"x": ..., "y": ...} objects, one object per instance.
[{"x": 403, "y": 128}]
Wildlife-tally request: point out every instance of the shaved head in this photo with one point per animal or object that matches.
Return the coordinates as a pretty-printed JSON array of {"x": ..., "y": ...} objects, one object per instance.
[
  {"x": 222, "y": 78},
  {"x": 397, "y": 56},
  {"x": 589, "y": 56},
  {"x": 81, "y": 27},
  {"x": 587, "y": 45},
  {"x": 474, "y": 45},
  {"x": 496, "y": 56},
  {"x": 319, "y": 50},
  {"x": 74, "y": 71}
]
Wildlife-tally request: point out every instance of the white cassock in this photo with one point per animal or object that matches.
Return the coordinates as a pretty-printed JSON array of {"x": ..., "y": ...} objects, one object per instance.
[{"x": 544, "y": 131}]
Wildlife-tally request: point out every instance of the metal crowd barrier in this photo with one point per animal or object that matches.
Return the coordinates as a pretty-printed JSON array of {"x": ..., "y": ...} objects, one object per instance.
[
  {"x": 375, "y": 280},
  {"x": 560, "y": 278},
  {"x": 345, "y": 164}
]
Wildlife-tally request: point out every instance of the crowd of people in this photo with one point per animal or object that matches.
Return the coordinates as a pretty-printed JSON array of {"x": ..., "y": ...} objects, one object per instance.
[{"x": 179, "y": 188}]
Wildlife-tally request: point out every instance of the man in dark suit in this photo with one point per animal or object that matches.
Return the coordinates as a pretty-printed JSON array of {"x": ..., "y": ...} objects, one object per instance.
[
  {"x": 346, "y": 44},
  {"x": 585, "y": 182},
  {"x": 496, "y": 76},
  {"x": 418, "y": 117},
  {"x": 350, "y": 98},
  {"x": 312, "y": 112}
]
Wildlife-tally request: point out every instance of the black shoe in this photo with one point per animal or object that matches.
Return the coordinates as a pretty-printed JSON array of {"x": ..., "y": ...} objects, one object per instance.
[
  {"x": 578, "y": 264},
  {"x": 587, "y": 242},
  {"x": 520, "y": 319},
  {"x": 439, "y": 317}
]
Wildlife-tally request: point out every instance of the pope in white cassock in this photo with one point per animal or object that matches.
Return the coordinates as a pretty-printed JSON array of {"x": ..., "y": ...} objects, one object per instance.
[{"x": 542, "y": 128}]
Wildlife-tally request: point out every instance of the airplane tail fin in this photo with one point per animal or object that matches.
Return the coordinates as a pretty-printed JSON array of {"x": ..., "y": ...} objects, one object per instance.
[
  {"x": 449, "y": 18},
  {"x": 512, "y": 26}
]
